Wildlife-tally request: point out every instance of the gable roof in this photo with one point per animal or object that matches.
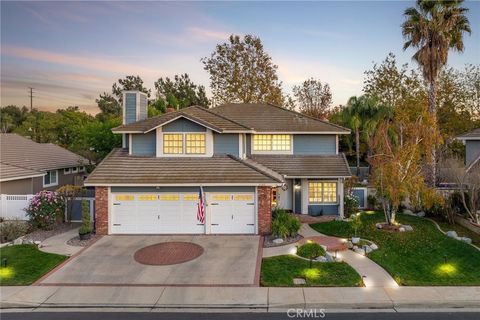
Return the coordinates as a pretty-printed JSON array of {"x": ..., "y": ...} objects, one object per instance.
[
  {"x": 197, "y": 114},
  {"x": 270, "y": 118},
  {"x": 472, "y": 135},
  {"x": 120, "y": 168},
  {"x": 18, "y": 151}
]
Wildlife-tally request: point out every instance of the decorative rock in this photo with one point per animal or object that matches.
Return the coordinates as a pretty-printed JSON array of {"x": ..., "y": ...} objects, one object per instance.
[
  {"x": 355, "y": 240},
  {"x": 367, "y": 249},
  {"x": 349, "y": 245},
  {"x": 452, "y": 234},
  {"x": 278, "y": 241},
  {"x": 401, "y": 229},
  {"x": 466, "y": 240},
  {"x": 37, "y": 242},
  {"x": 421, "y": 214},
  {"x": 374, "y": 246},
  {"x": 355, "y": 248},
  {"x": 321, "y": 259},
  {"x": 360, "y": 251},
  {"x": 329, "y": 257},
  {"x": 379, "y": 225},
  {"x": 406, "y": 211},
  {"x": 18, "y": 241},
  {"x": 299, "y": 281},
  {"x": 407, "y": 227}
]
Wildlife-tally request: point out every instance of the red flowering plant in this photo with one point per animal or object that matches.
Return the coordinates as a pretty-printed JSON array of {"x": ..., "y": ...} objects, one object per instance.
[{"x": 44, "y": 208}]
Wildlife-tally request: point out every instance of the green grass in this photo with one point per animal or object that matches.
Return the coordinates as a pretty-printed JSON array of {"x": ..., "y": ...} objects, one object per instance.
[
  {"x": 461, "y": 231},
  {"x": 279, "y": 271},
  {"x": 25, "y": 264},
  {"x": 414, "y": 258}
]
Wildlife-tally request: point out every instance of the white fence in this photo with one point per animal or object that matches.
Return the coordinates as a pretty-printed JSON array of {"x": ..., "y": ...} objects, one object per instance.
[{"x": 12, "y": 206}]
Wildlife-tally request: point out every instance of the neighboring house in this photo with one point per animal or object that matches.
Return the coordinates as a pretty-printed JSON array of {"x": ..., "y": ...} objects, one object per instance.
[
  {"x": 472, "y": 147},
  {"x": 27, "y": 167},
  {"x": 247, "y": 158}
]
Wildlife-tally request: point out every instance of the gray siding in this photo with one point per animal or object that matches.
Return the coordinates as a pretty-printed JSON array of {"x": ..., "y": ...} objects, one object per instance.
[
  {"x": 183, "y": 125},
  {"x": 226, "y": 143},
  {"x": 248, "y": 144},
  {"x": 143, "y": 107},
  {"x": 144, "y": 144},
  {"x": 183, "y": 189},
  {"x": 130, "y": 108},
  {"x": 472, "y": 150},
  {"x": 322, "y": 209},
  {"x": 22, "y": 186},
  {"x": 310, "y": 144}
]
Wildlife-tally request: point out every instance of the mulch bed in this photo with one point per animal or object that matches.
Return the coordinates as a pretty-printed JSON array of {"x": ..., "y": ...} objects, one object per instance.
[
  {"x": 305, "y": 218},
  {"x": 167, "y": 253},
  {"x": 268, "y": 242},
  {"x": 40, "y": 235},
  {"x": 76, "y": 242}
]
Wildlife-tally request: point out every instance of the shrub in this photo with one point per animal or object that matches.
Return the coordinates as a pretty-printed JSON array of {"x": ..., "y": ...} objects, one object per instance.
[
  {"x": 350, "y": 204},
  {"x": 310, "y": 250},
  {"x": 44, "y": 208},
  {"x": 86, "y": 223},
  {"x": 13, "y": 229},
  {"x": 276, "y": 211},
  {"x": 285, "y": 225},
  {"x": 371, "y": 201}
]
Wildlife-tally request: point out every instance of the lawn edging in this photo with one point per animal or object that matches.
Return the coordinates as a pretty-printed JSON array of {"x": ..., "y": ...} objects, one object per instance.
[{"x": 445, "y": 233}]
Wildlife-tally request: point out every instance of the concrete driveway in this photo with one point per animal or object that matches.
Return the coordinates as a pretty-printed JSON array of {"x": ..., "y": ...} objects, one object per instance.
[{"x": 227, "y": 260}]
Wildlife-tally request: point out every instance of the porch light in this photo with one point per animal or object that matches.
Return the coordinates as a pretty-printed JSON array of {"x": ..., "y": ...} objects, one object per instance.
[{"x": 297, "y": 187}]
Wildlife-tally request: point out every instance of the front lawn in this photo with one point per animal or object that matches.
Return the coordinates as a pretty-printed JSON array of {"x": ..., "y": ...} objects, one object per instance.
[
  {"x": 461, "y": 231},
  {"x": 279, "y": 271},
  {"x": 423, "y": 256},
  {"x": 25, "y": 264}
]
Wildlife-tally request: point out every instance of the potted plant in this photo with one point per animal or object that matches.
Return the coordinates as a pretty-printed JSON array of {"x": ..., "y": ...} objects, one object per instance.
[{"x": 85, "y": 230}]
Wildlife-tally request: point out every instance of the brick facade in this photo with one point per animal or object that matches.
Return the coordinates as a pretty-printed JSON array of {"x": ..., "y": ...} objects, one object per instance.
[
  {"x": 101, "y": 210},
  {"x": 264, "y": 210}
]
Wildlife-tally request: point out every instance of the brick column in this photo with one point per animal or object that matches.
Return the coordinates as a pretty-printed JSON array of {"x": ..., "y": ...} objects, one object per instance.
[
  {"x": 264, "y": 205},
  {"x": 101, "y": 210}
]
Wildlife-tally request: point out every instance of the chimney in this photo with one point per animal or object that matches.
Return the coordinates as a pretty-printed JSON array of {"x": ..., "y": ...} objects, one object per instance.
[{"x": 135, "y": 106}]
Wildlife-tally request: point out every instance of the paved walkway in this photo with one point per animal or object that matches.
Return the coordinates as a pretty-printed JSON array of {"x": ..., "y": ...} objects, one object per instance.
[
  {"x": 373, "y": 275},
  {"x": 58, "y": 244},
  {"x": 252, "y": 298}
]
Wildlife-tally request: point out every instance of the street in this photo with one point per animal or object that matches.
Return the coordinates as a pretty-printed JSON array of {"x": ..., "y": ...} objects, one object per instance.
[{"x": 236, "y": 316}]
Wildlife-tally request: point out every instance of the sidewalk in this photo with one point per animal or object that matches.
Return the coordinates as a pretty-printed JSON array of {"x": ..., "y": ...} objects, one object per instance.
[
  {"x": 253, "y": 298},
  {"x": 58, "y": 244}
]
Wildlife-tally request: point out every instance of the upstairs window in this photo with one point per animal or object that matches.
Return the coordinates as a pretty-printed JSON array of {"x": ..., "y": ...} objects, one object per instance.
[
  {"x": 195, "y": 143},
  {"x": 50, "y": 179},
  {"x": 173, "y": 143},
  {"x": 180, "y": 143},
  {"x": 272, "y": 142}
]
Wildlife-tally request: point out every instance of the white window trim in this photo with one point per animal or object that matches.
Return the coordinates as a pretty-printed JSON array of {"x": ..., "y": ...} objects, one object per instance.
[
  {"x": 208, "y": 145},
  {"x": 252, "y": 145},
  {"x": 67, "y": 170},
  {"x": 50, "y": 184},
  {"x": 81, "y": 169},
  {"x": 75, "y": 170},
  {"x": 322, "y": 202}
]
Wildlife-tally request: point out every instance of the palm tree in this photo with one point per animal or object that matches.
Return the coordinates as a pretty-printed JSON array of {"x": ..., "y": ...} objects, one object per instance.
[
  {"x": 362, "y": 115},
  {"x": 433, "y": 28}
]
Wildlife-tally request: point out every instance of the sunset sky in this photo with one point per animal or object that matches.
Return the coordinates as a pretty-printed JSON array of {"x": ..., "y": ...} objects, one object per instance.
[{"x": 71, "y": 51}]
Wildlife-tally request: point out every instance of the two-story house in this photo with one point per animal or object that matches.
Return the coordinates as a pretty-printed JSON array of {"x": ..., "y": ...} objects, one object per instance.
[
  {"x": 246, "y": 158},
  {"x": 472, "y": 147}
]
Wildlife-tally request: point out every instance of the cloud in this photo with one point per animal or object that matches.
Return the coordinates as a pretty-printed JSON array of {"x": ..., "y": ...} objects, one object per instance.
[
  {"x": 206, "y": 34},
  {"x": 79, "y": 61}
]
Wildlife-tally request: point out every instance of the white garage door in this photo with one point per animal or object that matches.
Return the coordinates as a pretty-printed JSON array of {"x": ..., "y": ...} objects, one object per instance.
[
  {"x": 155, "y": 213},
  {"x": 232, "y": 212}
]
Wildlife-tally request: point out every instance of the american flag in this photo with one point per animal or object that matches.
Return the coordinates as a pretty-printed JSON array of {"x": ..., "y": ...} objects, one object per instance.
[{"x": 201, "y": 207}]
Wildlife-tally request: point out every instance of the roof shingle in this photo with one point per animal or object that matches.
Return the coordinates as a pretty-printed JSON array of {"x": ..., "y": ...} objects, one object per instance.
[
  {"x": 25, "y": 153},
  {"x": 292, "y": 166},
  {"x": 120, "y": 168},
  {"x": 472, "y": 135}
]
